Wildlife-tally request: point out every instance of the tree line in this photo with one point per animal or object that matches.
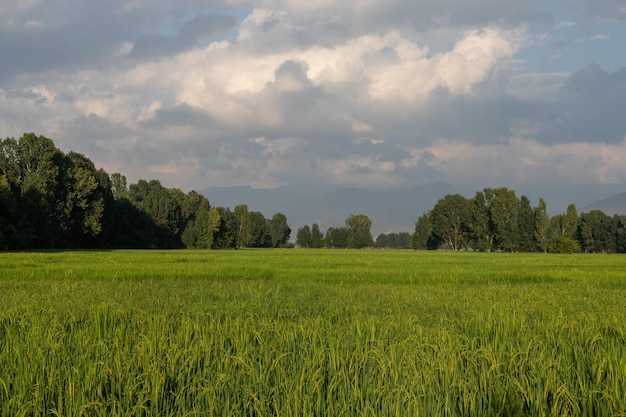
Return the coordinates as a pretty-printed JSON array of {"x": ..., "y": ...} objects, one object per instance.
[
  {"x": 495, "y": 219},
  {"x": 53, "y": 200},
  {"x": 356, "y": 234}
]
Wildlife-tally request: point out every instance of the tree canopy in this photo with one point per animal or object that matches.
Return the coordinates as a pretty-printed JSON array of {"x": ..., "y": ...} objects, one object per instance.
[{"x": 51, "y": 199}]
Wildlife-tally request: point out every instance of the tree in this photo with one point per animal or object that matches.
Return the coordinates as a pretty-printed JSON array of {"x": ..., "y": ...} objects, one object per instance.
[
  {"x": 224, "y": 237},
  {"x": 259, "y": 230},
  {"x": 422, "y": 237},
  {"x": 118, "y": 186},
  {"x": 620, "y": 233},
  {"x": 213, "y": 225},
  {"x": 162, "y": 207},
  {"x": 242, "y": 222},
  {"x": 304, "y": 237},
  {"x": 194, "y": 218},
  {"x": 401, "y": 240},
  {"x": 541, "y": 226},
  {"x": 31, "y": 167},
  {"x": 481, "y": 229},
  {"x": 597, "y": 232},
  {"x": 526, "y": 225},
  {"x": 337, "y": 237},
  {"x": 7, "y": 213},
  {"x": 81, "y": 201},
  {"x": 564, "y": 225},
  {"x": 563, "y": 244},
  {"x": 317, "y": 238},
  {"x": 503, "y": 213},
  {"x": 450, "y": 219},
  {"x": 359, "y": 235},
  {"x": 279, "y": 230}
]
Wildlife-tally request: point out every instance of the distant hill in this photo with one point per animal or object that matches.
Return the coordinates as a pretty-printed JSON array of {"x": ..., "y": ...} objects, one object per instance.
[
  {"x": 615, "y": 204},
  {"x": 390, "y": 211}
]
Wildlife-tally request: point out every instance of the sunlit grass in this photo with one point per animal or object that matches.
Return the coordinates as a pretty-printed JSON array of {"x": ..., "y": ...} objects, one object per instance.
[{"x": 308, "y": 332}]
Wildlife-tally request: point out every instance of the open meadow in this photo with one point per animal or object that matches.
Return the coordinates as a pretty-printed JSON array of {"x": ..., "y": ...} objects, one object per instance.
[{"x": 311, "y": 333}]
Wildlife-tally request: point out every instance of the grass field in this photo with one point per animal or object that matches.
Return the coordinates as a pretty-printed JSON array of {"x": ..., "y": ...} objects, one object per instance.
[{"x": 311, "y": 333}]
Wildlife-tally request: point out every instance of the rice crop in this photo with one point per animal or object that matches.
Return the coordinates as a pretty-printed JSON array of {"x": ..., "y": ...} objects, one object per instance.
[{"x": 311, "y": 333}]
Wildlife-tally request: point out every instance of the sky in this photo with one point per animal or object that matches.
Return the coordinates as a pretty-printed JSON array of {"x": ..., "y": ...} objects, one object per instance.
[{"x": 360, "y": 93}]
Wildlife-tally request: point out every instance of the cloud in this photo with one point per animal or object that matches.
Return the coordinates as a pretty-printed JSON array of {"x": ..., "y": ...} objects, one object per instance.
[
  {"x": 363, "y": 93},
  {"x": 154, "y": 45},
  {"x": 525, "y": 162}
]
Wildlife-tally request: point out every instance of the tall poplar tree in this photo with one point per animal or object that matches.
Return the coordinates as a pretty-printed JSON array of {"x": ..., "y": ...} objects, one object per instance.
[
  {"x": 242, "y": 222},
  {"x": 542, "y": 223}
]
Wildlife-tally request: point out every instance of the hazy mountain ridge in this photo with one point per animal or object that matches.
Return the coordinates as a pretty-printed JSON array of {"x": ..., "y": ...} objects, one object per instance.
[
  {"x": 615, "y": 204},
  {"x": 390, "y": 210}
]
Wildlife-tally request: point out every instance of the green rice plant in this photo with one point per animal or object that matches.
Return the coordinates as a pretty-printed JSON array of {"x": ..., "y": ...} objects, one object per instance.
[{"x": 309, "y": 333}]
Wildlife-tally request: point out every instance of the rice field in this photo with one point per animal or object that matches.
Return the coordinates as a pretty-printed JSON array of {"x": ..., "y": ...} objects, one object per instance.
[{"x": 311, "y": 333}]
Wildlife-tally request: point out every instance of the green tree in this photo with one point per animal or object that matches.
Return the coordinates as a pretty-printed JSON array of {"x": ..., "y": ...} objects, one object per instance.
[
  {"x": 242, "y": 221},
  {"x": 503, "y": 212},
  {"x": 304, "y": 236},
  {"x": 564, "y": 225},
  {"x": 213, "y": 226},
  {"x": 81, "y": 196},
  {"x": 7, "y": 213},
  {"x": 337, "y": 237},
  {"x": 224, "y": 237},
  {"x": 359, "y": 226},
  {"x": 423, "y": 232},
  {"x": 563, "y": 244},
  {"x": 401, "y": 240},
  {"x": 481, "y": 229},
  {"x": 542, "y": 223},
  {"x": 526, "y": 225},
  {"x": 620, "y": 233},
  {"x": 31, "y": 167},
  {"x": 162, "y": 207},
  {"x": 279, "y": 230},
  {"x": 449, "y": 220},
  {"x": 118, "y": 186},
  {"x": 200, "y": 229},
  {"x": 597, "y": 232},
  {"x": 259, "y": 230},
  {"x": 317, "y": 238},
  {"x": 194, "y": 218}
]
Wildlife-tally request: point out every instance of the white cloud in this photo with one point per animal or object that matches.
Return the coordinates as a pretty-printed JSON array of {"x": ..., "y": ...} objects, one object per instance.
[
  {"x": 365, "y": 93},
  {"x": 524, "y": 161}
]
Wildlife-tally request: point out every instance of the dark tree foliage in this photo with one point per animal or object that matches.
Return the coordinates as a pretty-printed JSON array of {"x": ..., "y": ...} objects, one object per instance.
[
  {"x": 224, "y": 237},
  {"x": 359, "y": 235},
  {"x": 317, "y": 238},
  {"x": 161, "y": 206},
  {"x": 304, "y": 236},
  {"x": 526, "y": 226},
  {"x": 503, "y": 212},
  {"x": 450, "y": 218},
  {"x": 49, "y": 199},
  {"x": 480, "y": 227},
  {"x": 620, "y": 233},
  {"x": 423, "y": 236},
  {"x": 279, "y": 230},
  {"x": 56, "y": 200},
  {"x": 597, "y": 232},
  {"x": 8, "y": 212},
  {"x": 402, "y": 240},
  {"x": 259, "y": 230},
  {"x": 337, "y": 237}
]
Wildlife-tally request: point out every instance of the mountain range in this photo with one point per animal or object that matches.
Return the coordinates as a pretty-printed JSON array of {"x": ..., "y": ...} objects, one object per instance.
[
  {"x": 389, "y": 210},
  {"x": 392, "y": 210},
  {"x": 615, "y": 204}
]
